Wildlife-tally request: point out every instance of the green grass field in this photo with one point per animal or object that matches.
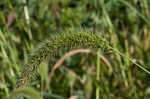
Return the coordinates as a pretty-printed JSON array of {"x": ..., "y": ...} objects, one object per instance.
[{"x": 72, "y": 73}]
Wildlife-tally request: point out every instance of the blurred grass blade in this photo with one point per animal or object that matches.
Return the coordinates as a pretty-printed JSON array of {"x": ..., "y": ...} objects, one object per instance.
[
  {"x": 25, "y": 92},
  {"x": 2, "y": 36},
  {"x": 132, "y": 8},
  {"x": 52, "y": 96}
]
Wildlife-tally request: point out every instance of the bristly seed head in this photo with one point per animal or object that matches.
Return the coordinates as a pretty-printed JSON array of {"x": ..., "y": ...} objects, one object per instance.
[{"x": 58, "y": 44}]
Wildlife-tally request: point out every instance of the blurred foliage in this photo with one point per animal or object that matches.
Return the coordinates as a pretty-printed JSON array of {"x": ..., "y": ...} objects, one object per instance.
[{"x": 25, "y": 23}]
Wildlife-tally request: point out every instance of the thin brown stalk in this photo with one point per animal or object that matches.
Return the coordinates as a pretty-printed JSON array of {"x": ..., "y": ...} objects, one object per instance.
[{"x": 71, "y": 53}]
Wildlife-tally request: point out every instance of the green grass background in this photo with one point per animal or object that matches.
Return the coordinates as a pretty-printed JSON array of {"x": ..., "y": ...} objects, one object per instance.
[{"x": 126, "y": 23}]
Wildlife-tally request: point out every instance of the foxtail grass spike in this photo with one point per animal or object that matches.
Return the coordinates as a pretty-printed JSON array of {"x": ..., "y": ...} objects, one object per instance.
[{"x": 58, "y": 44}]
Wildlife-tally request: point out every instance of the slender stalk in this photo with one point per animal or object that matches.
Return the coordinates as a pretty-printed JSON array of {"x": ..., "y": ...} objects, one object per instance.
[
  {"x": 138, "y": 65},
  {"x": 98, "y": 75}
]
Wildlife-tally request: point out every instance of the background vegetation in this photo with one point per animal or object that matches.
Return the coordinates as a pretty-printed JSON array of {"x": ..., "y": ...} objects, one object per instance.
[{"x": 125, "y": 23}]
